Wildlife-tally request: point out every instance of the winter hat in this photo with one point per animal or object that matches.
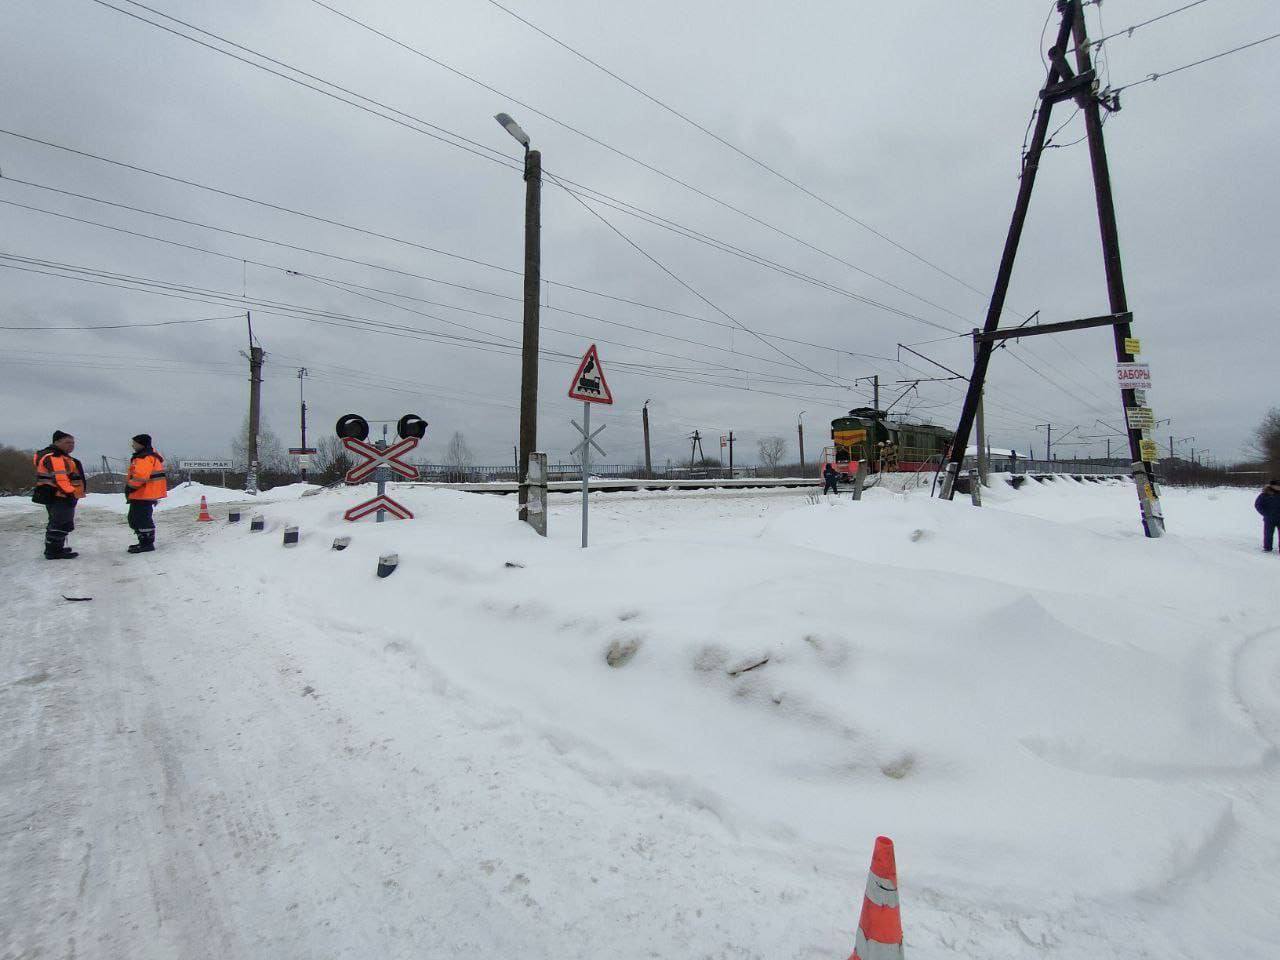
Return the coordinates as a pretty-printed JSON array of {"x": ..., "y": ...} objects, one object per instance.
[
  {"x": 59, "y": 435},
  {"x": 143, "y": 438}
]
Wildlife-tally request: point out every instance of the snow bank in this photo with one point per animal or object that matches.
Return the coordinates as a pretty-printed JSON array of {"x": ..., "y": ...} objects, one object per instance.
[
  {"x": 981, "y": 685},
  {"x": 187, "y": 495}
]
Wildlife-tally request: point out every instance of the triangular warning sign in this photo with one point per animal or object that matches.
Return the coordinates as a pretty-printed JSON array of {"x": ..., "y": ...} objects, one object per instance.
[{"x": 588, "y": 383}]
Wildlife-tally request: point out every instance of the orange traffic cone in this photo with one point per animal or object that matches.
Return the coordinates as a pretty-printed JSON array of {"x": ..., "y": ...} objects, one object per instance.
[
  {"x": 880, "y": 926},
  {"x": 204, "y": 511}
]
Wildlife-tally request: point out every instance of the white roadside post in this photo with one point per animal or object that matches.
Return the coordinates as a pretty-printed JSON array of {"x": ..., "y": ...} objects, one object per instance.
[{"x": 589, "y": 386}]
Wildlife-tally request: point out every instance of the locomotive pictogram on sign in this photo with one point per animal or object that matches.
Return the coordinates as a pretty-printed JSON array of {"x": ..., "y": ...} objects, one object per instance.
[{"x": 589, "y": 384}]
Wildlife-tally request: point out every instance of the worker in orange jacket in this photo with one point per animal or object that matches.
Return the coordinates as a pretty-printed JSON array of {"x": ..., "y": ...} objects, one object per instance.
[
  {"x": 59, "y": 486},
  {"x": 144, "y": 485}
]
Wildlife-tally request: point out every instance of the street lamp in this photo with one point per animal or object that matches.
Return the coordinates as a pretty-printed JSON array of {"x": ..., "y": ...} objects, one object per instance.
[
  {"x": 532, "y": 279},
  {"x": 800, "y": 430}
]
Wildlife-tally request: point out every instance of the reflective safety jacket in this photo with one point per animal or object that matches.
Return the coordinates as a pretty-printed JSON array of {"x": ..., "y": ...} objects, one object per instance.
[
  {"x": 146, "y": 478},
  {"x": 59, "y": 476}
]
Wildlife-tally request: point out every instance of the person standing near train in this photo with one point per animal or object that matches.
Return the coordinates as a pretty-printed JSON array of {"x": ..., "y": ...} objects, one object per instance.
[{"x": 830, "y": 479}]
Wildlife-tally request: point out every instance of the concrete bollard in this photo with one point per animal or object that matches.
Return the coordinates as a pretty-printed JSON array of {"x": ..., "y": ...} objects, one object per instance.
[
  {"x": 257, "y": 524},
  {"x": 341, "y": 543},
  {"x": 290, "y": 536},
  {"x": 233, "y": 516},
  {"x": 975, "y": 488},
  {"x": 387, "y": 564}
]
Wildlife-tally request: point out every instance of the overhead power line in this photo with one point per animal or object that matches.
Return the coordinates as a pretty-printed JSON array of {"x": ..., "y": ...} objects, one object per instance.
[
  {"x": 365, "y": 231},
  {"x": 458, "y": 141},
  {"x": 125, "y": 326},
  {"x": 438, "y": 130},
  {"x": 663, "y": 267},
  {"x": 736, "y": 149},
  {"x": 281, "y": 268},
  {"x": 625, "y": 155},
  {"x": 1129, "y": 31},
  {"x": 346, "y": 321},
  {"x": 1152, "y": 77}
]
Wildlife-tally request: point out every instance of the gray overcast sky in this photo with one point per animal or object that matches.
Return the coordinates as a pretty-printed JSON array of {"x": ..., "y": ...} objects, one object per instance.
[{"x": 910, "y": 116}]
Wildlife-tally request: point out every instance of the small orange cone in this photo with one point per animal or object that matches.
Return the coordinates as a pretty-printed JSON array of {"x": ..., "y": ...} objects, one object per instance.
[
  {"x": 880, "y": 926},
  {"x": 204, "y": 511}
]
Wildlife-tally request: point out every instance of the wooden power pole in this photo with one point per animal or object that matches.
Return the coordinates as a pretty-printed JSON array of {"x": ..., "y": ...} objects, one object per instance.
[
  {"x": 1080, "y": 85},
  {"x": 529, "y": 350},
  {"x": 257, "y": 356},
  {"x": 648, "y": 461}
]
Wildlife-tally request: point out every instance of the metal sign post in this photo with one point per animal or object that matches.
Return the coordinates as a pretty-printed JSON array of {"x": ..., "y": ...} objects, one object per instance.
[
  {"x": 381, "y": 475},
  {"x": 588, "y": 441},
  {"x": 589, "y": 386}
]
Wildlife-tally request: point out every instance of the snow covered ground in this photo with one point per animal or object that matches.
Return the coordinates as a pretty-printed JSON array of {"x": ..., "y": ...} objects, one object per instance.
[{"x": 681, "y": 742}]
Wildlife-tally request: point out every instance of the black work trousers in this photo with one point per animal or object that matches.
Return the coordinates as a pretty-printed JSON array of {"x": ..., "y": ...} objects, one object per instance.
[
  {"x": 62, "y": 520},
  {"x": 142, "y": 520}
]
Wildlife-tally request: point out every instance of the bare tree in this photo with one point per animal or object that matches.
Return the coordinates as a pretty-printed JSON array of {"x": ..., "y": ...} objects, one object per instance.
[
  {"x": 16, "y": 472},
  {"x": 331, "y": 461},
  {"x": 771, "y": 450},
  {"x": 271, "y": 455},
  {"x": 458, "y": 458},
  {"x": 1266, "y": 440}
]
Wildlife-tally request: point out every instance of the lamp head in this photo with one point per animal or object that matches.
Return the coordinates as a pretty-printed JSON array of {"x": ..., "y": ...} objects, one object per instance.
[{"x": 512, "y": 128}]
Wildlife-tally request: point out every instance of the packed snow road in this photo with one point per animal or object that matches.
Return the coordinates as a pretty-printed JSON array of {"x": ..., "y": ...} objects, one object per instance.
[{"x": 680, "y": 743}]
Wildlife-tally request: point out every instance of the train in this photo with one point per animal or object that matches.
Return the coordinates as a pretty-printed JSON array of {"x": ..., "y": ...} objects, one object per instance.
[{"x": 868, "y": 436}]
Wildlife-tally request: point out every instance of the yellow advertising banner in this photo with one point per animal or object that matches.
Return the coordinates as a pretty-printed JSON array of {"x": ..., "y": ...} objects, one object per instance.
[
  {"x": 1149, "y": 451},
  {"x": 1132, "y": 345}
]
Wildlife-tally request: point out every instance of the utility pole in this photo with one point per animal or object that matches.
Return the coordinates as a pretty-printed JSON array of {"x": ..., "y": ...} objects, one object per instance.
[
  {"x": 1048, "y": 439},
  {"x": 1062, "y": 84},
  {"x": 730, "y": 454},
  {"x": 532, "y": 284},
  {"x": 695, "y": 445},
  {"x": 257, "y": 357},
  {"x": 800, "y": 430},
  {"x": 302, "y": 372},
  {"x": 648, "y": 461},
  {"x": 1143, "y": 475}
]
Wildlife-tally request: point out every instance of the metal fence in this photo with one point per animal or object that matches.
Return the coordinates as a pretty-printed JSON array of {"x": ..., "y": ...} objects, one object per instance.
[
  {"x": 445, "y": 473},
  {"x": 1022, "y": 465}
]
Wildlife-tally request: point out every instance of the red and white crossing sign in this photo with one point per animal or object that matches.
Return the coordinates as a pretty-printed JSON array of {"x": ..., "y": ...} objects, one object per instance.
[
  {"x": 375, "y": 458},
  {"x": 380, "y": 502},
  {"x": 588, "y": 383}
]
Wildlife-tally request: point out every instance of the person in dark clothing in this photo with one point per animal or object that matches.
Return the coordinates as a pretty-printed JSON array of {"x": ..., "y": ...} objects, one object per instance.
[
  {"x": 145, "y": 484},
  {"x": 829, "y": 479},
  {"x": 1268, "y": 504},
  {"x": 59, "y": 486}
]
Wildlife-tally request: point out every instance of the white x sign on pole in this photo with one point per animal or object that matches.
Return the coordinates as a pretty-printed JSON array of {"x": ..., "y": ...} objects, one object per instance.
[
  {"x": 584, "y": 449},
  {"x": 591, "y": 439}
]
